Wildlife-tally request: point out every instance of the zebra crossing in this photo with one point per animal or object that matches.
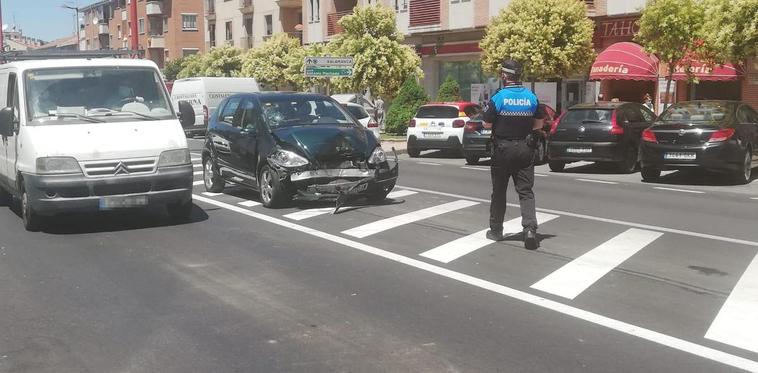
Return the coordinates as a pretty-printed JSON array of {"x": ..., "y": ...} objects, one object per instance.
[{"x": 736, "y": 324}]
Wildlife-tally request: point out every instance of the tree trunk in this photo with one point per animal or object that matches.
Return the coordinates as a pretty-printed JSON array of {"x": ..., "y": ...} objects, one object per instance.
[{"x": 669, "y": 76}]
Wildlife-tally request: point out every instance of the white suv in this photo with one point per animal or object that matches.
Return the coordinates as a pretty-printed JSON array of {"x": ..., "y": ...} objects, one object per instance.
[{"x": 440, "y": 126}]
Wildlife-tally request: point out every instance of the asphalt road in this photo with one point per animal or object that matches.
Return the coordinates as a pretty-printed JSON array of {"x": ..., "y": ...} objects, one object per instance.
[{"x": 628, "y": 278}]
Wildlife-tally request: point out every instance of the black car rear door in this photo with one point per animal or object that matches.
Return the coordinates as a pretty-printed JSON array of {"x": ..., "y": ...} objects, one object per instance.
[
  {"x": 747, "y": 120},
  {"x": 221, "y": 135}
]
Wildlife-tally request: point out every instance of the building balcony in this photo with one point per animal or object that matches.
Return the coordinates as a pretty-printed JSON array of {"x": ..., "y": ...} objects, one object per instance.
[
  {"x": 154, "y": 8},
  {"x": 155, "y": 41},
  {"x": 246, "y": 6},
  {"x": 102, "y": 29},
  {"x": 332, "y": 19},
  {"x": 289, "y": 3}
]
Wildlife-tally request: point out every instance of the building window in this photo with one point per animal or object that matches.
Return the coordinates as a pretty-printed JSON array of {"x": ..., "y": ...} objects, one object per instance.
[
  {"x": 189, "y": 51},
  {"x": 315, "y": 10},
  {"x": 165, "y": 24},
  {"x": 129, "y": 25},
  {"x": 229, "y": 34},
  {"x": 212, "y": 34},
  {"x": 401, "y": 6},
  {"x": 141, "y": 26},
  {"x": 118, "y": 29},
  {"x": 269, "y": 24},
  {"x": 189, "y": 22}
]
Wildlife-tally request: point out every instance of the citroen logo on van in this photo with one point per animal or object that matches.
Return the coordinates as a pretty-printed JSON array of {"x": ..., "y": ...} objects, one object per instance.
[{"x": 121, "y": 169}]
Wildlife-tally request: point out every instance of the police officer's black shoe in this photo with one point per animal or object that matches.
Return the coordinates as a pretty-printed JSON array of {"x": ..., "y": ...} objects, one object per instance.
[
  {"x": 530, "y": 239},
  {"x": 495, "y": 236}
]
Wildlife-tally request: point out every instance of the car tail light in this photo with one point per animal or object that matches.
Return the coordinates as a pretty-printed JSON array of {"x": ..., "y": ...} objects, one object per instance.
[
  {"x": 459, "y": 123},
  {"x": 722, "y": 135},
  {"x": 649, "y": 136},
  {"x": 471, "y": 126},
  {"x": 412, "y": 123},
  {"x": 554, "y": 125},
  {"x": 206, "y": 116},
  {"x": 615, "y": 128},
  {"x": 373, "y": 124}
]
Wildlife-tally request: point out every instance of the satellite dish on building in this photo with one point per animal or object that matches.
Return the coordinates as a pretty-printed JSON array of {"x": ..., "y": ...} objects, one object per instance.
[{"x": 95, "y": 21}]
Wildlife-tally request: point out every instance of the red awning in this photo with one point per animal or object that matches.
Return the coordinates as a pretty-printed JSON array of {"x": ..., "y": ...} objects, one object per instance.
[
  {"x": 624, "y": 61},
  {"x": 726, "y": 72}
]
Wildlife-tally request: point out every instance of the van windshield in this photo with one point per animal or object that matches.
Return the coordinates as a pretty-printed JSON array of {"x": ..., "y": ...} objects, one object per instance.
[{"x": 95, "y": 94}]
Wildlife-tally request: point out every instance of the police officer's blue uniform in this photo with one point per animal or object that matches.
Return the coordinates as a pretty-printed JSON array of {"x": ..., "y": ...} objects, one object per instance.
[{"x": 512, "y": 112}]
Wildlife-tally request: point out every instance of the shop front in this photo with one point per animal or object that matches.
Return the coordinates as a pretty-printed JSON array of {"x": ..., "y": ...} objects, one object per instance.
[
  {"x": 625, "y": 72},
  {"x": 720, "y": 82}
]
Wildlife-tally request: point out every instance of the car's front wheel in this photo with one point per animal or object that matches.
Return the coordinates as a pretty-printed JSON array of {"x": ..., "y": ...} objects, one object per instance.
[
  {"x": 273, "y": 192},
  {"x": 557, "y": 166},
  {"x": 212, "y": 180},
  {"x": 745, "y": 173},
  {"x": 650, "y": 174}
]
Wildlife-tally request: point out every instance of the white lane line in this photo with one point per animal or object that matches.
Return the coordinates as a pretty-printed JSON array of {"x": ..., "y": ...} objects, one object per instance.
[
  {"x": 590, "y": 317},
  {"x": 541, "y": 175},
  {"x": 597, "y": 181},
  {"x": 468, "y": 244},
  {"x": 249, "y": 203},
  {"x": 197, "y": 173},
  {"x": 604, "y": 220},
  {"x": 429, "y": 163},
  {"x": 680, "y": 190},
  {"x": 579, "y": 274},
  {"x": 753, "y": 197},
  {"x": 396, "y": 221},
  {"x": 199, "y": 182},
  {"x": 309, "y": 213},
  {"x": 400, "y": 194},
  {"x": 475, "y": 168},
  {"x": 209, "y": 194},
  {"x": 737, "y": 322}
]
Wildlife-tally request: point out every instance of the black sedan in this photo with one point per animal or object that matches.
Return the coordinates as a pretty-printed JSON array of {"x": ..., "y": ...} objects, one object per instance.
[
  {"x": 476, "y": 136},
  {"x": 600, "y": 132},
  {"x": 719, "y": 136},
  {"x": 294, "y": 145}
]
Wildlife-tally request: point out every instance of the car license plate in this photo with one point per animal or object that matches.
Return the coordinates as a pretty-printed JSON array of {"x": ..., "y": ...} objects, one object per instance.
[
  {"x": 486, "y": 132},
  {"x": 432, "y": 134},
  {"x": 579, "y": 150},
  {"x": 680, "y": 156},
  {"x": 110, "y": 203}
]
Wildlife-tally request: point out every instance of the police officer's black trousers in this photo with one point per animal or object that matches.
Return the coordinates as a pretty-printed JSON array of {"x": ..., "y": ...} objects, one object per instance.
[{"x": 512, "y": 159}]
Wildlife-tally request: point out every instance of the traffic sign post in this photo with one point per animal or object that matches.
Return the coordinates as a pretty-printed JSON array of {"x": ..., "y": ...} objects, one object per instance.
[{"x": 328, "y": 67}]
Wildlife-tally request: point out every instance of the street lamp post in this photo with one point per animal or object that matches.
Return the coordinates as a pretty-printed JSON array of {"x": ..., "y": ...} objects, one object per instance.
[{"x": 78, "y": 39}]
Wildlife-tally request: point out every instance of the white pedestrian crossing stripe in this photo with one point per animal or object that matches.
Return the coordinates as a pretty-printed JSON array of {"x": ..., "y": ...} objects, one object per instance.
[
  {"x": 198, "y": 182},
  {"x": 411, "y": 217},
  {"x": 579, "y": 274},
  {"x": 737, "y": 322},
  {"x": 468, "y": 244},
  {"x": 249, "y": 203},
  {"x": 209, "y": 194}
]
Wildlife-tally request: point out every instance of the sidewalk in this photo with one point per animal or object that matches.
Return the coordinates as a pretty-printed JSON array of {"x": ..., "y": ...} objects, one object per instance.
[{"x": 400, "y": 146}]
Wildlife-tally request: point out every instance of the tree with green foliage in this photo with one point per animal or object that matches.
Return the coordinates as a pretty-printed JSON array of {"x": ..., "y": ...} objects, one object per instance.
[
  {"x": 450, "y": 90},
  {"x": 671, "y": 30},
  {"x": 551, "y": 38},
  {"x": 730, "y": 30},
  {"x": 223, "y": 61},
  {"x": 172, "y": 68},
  {"x": 269, "y": 63},
  {"x": 192, "y": 66},
  {"x": 382, "y": 61},
  {"x": 410, "y": 97}
]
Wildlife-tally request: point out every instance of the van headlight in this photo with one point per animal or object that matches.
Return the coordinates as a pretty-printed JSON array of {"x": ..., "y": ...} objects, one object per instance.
[
  {"x": 176, "y": 157},
  {"x": 378, "y": 156},
  {"x": 58, "y": 165},
  {"x": 286, "y": 158}
]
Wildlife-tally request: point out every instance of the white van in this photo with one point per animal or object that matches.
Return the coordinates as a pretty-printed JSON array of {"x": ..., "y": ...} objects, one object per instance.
[
  {"x": 90, "y": 135},
  {"x": 205, "y": 93}
]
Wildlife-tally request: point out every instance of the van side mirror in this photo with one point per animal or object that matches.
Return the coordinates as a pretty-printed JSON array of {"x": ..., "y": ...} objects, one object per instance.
[
  {"x": 186, "y": 114},
  {"x": 7, "y": 121}
]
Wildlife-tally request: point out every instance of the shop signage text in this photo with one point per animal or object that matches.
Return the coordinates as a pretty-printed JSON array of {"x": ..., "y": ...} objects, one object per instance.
[
  {"x": 607, "y": 68},
  {"x": 695, "y": 69},
  {"x": 618, "y": 28}
]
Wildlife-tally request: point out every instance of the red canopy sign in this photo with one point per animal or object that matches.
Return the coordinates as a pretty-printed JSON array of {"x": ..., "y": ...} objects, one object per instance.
[
  {"x": 624, "y": 61},
  {"x": 726, "y": 72}
]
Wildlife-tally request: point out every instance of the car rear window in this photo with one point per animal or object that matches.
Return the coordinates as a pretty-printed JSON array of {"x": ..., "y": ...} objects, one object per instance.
[
  {"x": 437, "y": 112},
  {"x": 358, "y": 111},
  {"x": 588, "y": 115},
  {"x": 709, "y": 111}
]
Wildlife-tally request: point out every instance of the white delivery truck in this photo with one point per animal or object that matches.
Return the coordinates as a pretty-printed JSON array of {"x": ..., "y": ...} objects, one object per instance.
[
  {"x": 205, "y": 93},
  {"x": 91, "y": 135}
]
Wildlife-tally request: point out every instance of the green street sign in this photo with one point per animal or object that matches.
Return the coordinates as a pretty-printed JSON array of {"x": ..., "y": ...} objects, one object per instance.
[{"x": 328, "y": 71}]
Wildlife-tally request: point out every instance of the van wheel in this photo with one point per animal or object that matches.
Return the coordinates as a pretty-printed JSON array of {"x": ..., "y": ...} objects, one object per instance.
[
  {"x": 557, "y": 166},
  {"x": 273, "y": 192},
  {"x": 180, "y": 211},
  {"x": 212, "y": 180},
  {"x": 32, "y": 221},
  {"x": 745, "y": 173},
  {"x": 650, "y": 174}
]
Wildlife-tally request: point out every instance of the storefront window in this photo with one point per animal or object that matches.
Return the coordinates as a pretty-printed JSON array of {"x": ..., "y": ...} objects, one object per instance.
[{"x": 465, "y": 72}]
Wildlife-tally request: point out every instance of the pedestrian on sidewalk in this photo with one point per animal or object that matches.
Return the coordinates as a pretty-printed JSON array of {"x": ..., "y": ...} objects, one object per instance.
[
  {"x": 379, "y": 110},
  {"x": 516, "y": 118}
]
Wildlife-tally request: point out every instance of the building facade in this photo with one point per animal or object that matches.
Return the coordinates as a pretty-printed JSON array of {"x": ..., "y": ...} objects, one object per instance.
[
  {"x": 166, "y": 29},
  {"x": 247, "y": 24}
]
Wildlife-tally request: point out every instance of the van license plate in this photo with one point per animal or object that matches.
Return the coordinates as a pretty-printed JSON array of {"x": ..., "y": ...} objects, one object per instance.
[
  {"x": 685, "y": 156},
  {"x": 579, "y": 150},
  {"x": 110, "y": 203}
]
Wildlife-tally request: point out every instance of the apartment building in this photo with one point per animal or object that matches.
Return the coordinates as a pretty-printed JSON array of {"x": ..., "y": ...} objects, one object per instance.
[
  {"x": 247, "y": 24},
  {"x": 166, "y": 28}
]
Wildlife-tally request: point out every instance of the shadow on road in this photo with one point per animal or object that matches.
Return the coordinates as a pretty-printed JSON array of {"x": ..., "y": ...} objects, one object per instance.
[
  {"x": 519, "y": 237},
  {"x": 442, "y": 154},
  {"x": 353, "y": 203},
  {"x": 594, "y": 169},
  {"x": 699, "y": 177}
]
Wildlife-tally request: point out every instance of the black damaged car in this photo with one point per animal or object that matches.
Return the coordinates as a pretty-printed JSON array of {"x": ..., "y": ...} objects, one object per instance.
[{"x": 294, "y": 146}]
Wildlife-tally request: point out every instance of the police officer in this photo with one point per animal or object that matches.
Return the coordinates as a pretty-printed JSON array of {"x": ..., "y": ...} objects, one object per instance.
[{"x": 517, "y": 119}]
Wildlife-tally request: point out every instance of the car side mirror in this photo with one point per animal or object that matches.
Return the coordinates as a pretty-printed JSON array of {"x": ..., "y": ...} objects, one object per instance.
[
  {"x": 186, "y": 114},
  {"x": 7, "y": 121}
]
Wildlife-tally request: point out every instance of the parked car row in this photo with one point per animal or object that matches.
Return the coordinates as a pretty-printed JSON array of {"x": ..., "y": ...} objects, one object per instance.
[{"x": 717, "y": 136}]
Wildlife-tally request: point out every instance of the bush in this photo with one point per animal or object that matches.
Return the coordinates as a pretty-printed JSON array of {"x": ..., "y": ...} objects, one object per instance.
[
  {"x": 450, "y": 91},
  {"x": 410, "y": 97}
]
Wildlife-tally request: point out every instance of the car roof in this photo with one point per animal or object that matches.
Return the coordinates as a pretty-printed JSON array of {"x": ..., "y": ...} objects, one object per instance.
[
  {"x": 265, "y": 95},
  {"x": 600, "y": 105},
  {"x": 78, "y": 62},
  {"x": 458, "y": 104}
]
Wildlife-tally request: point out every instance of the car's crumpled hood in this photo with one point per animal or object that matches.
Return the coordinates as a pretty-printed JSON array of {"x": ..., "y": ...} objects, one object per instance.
[{"x": 327, "y": 143}]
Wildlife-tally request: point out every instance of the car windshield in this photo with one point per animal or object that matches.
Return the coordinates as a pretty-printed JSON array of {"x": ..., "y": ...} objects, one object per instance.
[
  {"x": 437, "y": 111},
  {"x": 588, "y": 115},
  {"x": 698, "y": 112},
  {"x": 95, "y": 94},
  {"x": 358, "y": 111},
  {"x": 294, "y": 110}
]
